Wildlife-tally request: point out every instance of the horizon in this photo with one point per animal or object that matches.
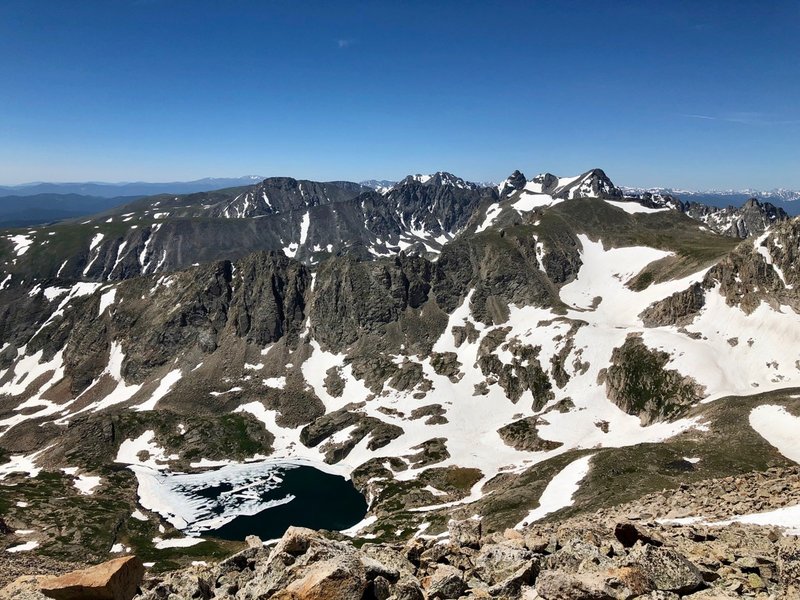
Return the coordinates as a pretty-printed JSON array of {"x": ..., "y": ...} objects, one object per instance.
[
  {"x": 260, "y": 178},
  {"x": 682, "y": 96}
]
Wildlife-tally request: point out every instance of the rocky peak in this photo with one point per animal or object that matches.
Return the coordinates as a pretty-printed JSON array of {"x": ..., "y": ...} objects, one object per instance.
[
  {"x": 515, "y": 182},
  {"x": 756, "y": 217},
  {"x": 547, "y": 181},
  {"x": 276, "y": 195},
  {"x": 440, "y": 178},
  {"x": 766, "y": 209},
  {"x": 592, "y": 184},
  {"x": 752, "y": 219},
  {"x": 660, "y": 200}
]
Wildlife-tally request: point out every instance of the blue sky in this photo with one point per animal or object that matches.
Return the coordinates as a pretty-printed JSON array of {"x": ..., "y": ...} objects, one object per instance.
[{"x": 682, "y": 94}]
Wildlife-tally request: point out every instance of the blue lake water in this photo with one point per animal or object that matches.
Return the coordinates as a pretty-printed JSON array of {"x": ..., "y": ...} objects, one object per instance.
[
  {"x": 260, "y": 498},
  {"x": 321, "y": 501}
]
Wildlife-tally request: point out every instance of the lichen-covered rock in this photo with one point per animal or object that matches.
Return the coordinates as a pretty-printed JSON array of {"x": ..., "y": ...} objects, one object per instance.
[
  {"x": 333, "y": 579},
  {"x": 496, "y": 563},
  {"x": 788, "y": 564},
  {"x": 466, "y": 532},
  {"x": 446, "y": 582},
  {"x": 668, "y": 570},
  {"x": 563, "y": 585}
]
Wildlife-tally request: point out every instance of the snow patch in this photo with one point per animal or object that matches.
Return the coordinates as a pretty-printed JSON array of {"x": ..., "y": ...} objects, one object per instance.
[
  {"x": 87, "y": 483},
  {"x": 24, "y": 547},
  {"x": 633, "y": 208},
  {"x": 107, "y": 299},
  {"x": 164, "y": 387},
  {"x": 779, "y": 427},
  {"x": 130, "y": 452},
  {"x": 560, "y": 491},
  {"x": 21, "y": 243}
]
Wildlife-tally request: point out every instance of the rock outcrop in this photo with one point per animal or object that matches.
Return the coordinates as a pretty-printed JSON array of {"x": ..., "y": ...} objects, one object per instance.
[
  {"x": 639, "y": 384},
  {"x": 117, "y": 579}
]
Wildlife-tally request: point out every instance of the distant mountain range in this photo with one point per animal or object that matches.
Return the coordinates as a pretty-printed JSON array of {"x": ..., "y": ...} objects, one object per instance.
[
  {"x": 135, "y": 188},
  {"x": 31, "y": 204},
  {"x": 780, "y": 197},
  {"x": 37, "y": 203},
  {"x": 26, "y": 211}
]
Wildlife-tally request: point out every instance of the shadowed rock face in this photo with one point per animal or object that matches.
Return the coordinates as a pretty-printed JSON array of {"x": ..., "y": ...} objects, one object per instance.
[
  {"x": 271, "y": 300},
  {"x": 639, "y": 384},
  {"x": 677, "y": 309}
]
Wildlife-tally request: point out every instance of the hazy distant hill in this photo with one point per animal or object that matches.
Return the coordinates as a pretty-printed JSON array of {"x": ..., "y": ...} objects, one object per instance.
[
  {"x": 23, "y": 211},
  {"x": 138, "y": 188}
]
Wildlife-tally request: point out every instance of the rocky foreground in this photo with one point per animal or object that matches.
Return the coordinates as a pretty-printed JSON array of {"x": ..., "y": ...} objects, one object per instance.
[{"x": 644, "y": 549}]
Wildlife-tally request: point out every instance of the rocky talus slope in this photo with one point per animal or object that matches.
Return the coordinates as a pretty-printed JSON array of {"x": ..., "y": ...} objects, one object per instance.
[{"x": 644, "y": 549}]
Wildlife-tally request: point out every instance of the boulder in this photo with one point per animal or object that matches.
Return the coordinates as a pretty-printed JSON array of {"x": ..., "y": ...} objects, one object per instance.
[
  {"x": 465, "y": 533},
  {"x": 788, "y": 564},
  {"x": 628, "y": 534},
  {"x": 389, "y": 557},
  {"x": 335, "y": 579},
  {"x": 25, "y": 587},
  {"x": 668, "y": 570},
  {"x": 117, "y": 579},
  {"x": 498, "y": 562},
  {"x": 561, "y": 585},
  {"x": 613, "y": 584},
  {"x": 512, "y": 587},
  {"x": 445, "y": 582},
  {"x": 408, "y": 588},
  {"x": 381, "y": 588},
  {"x": 305, "y": 565},
  {"x": 578, "y": 555}
]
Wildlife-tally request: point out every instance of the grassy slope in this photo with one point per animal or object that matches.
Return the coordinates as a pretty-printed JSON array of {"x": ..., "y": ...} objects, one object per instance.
[{"x": 669, "y": 230}]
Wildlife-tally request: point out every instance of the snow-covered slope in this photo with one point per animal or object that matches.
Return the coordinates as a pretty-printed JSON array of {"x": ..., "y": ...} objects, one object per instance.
[{"x": 543, "y": 320}]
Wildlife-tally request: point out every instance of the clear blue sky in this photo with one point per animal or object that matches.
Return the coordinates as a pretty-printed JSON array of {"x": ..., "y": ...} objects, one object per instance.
[{"x": 683, "y": 94}]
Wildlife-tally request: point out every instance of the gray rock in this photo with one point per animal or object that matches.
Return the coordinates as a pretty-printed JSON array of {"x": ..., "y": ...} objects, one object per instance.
[
  {"x": 561, "y": 585},
  {"x": 408, "y": 588},
  {"x": 446, "y": 582},
  {"x": 466, "y": 532},
  {"x": 668, "y": 570},
  {"x": 497, "y": 562}
]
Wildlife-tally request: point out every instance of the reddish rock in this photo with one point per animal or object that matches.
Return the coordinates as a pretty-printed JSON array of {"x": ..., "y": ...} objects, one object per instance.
[{"x": 116, "y": 579}]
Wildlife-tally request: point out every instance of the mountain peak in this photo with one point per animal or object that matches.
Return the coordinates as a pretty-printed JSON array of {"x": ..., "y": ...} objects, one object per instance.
[
  {"x": 514, "y": 182},
  {"x": 440, "y": 178}
]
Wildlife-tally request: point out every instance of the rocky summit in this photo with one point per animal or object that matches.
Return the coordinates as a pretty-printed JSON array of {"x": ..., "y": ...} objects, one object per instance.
[{"x": 428, "y": 388}]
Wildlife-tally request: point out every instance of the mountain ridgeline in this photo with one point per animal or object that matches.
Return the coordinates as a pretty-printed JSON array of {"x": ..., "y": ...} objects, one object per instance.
[
  {"x": 310, "y": 221},
  {"x": 450, "y": 347}
]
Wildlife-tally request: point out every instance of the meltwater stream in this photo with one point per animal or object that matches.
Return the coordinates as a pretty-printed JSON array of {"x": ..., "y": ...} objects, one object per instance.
[{"x": 262, "y": 499}]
